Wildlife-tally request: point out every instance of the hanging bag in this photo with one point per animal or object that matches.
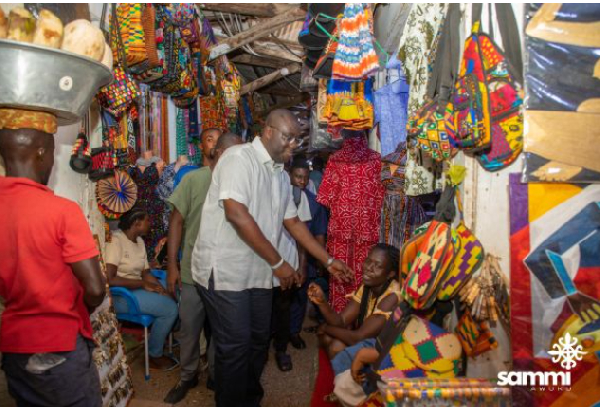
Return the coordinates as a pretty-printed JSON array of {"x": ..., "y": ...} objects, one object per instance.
[
  {"x": 132, "y": 36},
  {"x": 487, "y": 99},
  {"x": 122, "y": 91}
]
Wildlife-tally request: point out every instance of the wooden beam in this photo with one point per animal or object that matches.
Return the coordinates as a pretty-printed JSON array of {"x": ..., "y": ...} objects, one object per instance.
[
  {"x": 248, "y": 9},
  {"x": 269, "y": 62},
  {"x": 257, "y": 31},
  {"x": 270, "y": 78},
  {"x": 291, "y": 102}
]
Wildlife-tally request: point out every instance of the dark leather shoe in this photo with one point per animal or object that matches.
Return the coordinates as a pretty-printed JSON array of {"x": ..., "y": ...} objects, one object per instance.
[
  {"x": 284, "y": 361},
  {"x": 178, "y": 393},
  {"x": 297, "y": 341}
]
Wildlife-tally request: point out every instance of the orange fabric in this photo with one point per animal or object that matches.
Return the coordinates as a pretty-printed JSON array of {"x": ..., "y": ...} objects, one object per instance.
[{"x": 15, "y": 119}]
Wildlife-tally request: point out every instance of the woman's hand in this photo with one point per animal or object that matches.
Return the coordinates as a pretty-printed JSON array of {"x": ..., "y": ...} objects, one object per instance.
[
  {"x": 363, "y": 357},
  {"x": 154, "y": 287},
  {"x": 316, "y": 294}
]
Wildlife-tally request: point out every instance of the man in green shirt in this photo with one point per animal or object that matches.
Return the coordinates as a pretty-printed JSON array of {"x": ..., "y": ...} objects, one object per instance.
[{"x": 187, "y": 202}]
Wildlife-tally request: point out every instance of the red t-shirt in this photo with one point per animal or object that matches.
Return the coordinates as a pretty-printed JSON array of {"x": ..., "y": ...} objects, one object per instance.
[{"x": 40, "y": 236}]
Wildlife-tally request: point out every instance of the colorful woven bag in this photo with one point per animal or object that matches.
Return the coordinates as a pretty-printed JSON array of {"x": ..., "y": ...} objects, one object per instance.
[
  {"x": 467, "y": 261},
  {"x": 420, "y": 349},
  {"x": 475, "y": 337},
  {"x": 487, "y": 99},
  {"x": 429, "y": 128},
  {"x": 120, "y": 94},
  {"x": 433, "y": 261}
]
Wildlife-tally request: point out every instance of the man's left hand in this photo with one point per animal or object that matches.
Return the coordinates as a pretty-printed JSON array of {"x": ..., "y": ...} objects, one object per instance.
[{"x": 340, "y": 271}]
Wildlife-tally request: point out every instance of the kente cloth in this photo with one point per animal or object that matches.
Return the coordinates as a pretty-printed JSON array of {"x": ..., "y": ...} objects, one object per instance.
[
  {"x": 400, "y": 214},
  {"x": 15, "y": 119},
  {"x": 149, "y": 200},
  {"x": 353, "y": 192},
  {"x": 355, "y": 57},
  {"x": 391, "y": 115}
]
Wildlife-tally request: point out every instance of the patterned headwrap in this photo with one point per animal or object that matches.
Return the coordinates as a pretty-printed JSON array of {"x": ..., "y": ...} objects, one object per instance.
[{"x": 15, "y": 119}]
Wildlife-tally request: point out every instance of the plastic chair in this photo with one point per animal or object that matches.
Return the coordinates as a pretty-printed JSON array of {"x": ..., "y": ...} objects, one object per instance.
[{"x": 135, "y": 315}]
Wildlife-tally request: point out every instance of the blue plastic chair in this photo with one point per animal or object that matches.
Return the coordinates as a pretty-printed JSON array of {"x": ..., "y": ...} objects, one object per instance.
[{"x": 134, "y": 315}]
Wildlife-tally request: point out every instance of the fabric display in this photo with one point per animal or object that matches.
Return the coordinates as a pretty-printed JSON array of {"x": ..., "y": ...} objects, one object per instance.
[
  {"x": 102, "y": 164},
  {"x": 212, "y": 113},
  {"x": 400, "y": 214},
  {"x": 390, "y": 106},
  {"x": 554, "y": 240},
  {"x": 417, "y": 49},
  {"x": 352, "y": 190},
  {"x": 148, "y": 199},
  {"x": 563, "y": 87},
  {"x": 355, "y": 57},
  {"x": 350, "y": 104}
]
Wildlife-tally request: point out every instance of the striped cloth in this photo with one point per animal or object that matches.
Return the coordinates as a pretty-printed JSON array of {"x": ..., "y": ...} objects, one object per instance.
[{"x": 355, "y": 57}]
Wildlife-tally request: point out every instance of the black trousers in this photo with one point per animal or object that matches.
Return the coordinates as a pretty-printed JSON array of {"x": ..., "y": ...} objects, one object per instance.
[
  {"x": 240, "y": 322},
  {"x": 282, "y": 303},
  {"x": 73, "y": 383}
]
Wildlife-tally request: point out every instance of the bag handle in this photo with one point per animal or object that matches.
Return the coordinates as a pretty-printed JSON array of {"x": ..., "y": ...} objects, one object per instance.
[{"x": 507, "y": 23}]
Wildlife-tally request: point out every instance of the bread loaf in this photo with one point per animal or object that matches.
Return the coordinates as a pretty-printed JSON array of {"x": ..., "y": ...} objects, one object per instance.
[
  {"x": 82, "y": 38},
  {"x": 107, "y": 58},
  {"x": 3, "y": 24},
  {"x": 49, "y": 30},
  {"x": 21, "y": 25}
]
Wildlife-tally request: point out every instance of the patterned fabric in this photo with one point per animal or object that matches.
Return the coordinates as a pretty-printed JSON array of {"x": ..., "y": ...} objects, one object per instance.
[
  {"x": 353, "y": 192},
  {"x": 475, "y": 337},
  {"x": 434, "y": 258},
  {"x": 15, "y": 119},
  {"x": 350, "y": 104},
  {"x": 431, "y": 130},
  {"x": 391, "y": 115},
  {"x": 422, "y": 350},
  {"x": 211, "y": 113},
  {"x": 148, "y": 199},
  {"x": 355, "y": 57},
  {"x": 117, "y": 96},
  {"x": 164, "y": 190},
  {"x": 129, "y": 17},
  {"x": 417, "y": 54},
  {"x": 400, "y": 214}
]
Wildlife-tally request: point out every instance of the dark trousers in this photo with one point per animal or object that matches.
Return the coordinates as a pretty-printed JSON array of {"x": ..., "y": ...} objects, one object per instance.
[
  {"x": 240, "y": 322},
  {"x": 282, "y": 302},
  {"x": 73, "y": 383}
]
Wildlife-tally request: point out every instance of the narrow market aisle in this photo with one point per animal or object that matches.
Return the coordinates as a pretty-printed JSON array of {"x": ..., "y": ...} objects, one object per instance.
[{"x": 290, "y": 389}]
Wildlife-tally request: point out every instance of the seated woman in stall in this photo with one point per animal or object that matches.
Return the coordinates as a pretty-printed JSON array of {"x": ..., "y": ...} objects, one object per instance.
[
  {"x": 368, "y": 308},
  {"x": 127, "y": 266}
]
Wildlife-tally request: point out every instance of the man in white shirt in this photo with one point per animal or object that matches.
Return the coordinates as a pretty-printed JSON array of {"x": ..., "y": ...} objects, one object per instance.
[{"x": 234, "y": 258}]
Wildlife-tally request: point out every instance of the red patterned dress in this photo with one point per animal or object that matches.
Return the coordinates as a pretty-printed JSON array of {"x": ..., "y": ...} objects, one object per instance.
[{"x": 353, "y": 191}]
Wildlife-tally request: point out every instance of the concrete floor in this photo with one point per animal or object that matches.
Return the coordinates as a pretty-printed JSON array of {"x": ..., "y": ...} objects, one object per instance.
[{"x": 290, "y": 389}]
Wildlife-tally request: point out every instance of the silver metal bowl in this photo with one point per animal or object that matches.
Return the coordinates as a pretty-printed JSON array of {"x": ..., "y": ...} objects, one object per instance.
[{"x": 39, "y": 78}]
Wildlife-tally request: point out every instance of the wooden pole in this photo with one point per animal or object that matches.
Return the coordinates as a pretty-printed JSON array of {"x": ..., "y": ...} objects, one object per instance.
[
  {"x": 269, "y": 62},
  {"x": 270, "y": 78},
  {"x": 260, "y": 30},
  {"x": 248, "y": 9}
]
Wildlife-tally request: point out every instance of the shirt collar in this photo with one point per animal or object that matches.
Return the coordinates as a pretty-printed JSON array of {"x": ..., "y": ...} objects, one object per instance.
[
  {"x": 7, "y": 183},
  {"x": 263, "y": 154}
]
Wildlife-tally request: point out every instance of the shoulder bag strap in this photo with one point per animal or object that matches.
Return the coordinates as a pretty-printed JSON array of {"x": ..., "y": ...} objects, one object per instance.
[{"x": 511, "y": 41}]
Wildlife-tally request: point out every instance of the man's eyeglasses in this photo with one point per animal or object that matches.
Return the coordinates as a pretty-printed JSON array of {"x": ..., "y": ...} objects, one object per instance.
[{"x": 289, "y": 139}]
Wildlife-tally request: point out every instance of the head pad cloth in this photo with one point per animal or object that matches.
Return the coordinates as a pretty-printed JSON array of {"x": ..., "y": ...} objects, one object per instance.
[{"x": 15, "y": 119}]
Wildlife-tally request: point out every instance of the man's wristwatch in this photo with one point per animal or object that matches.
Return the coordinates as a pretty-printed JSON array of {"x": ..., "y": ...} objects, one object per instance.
[{"x": 330, "y": 261}]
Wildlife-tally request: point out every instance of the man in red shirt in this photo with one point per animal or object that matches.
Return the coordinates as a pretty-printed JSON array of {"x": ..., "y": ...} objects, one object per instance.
[{"x": 50, "y": 278}]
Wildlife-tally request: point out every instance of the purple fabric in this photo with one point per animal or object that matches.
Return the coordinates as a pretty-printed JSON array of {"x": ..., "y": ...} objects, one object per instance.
[{"x": 519, "y": 211}]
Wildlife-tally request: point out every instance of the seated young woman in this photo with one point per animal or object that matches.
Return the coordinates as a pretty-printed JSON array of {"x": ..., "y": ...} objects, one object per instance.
[
  {"x": 127, "y": 266},
  {"x": 369, "y": 307}
]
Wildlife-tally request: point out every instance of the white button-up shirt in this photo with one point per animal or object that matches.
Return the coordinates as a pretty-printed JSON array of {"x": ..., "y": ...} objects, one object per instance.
[
  {"x": 287, "y": 247},
  {"x": 248, "y": 175}
]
